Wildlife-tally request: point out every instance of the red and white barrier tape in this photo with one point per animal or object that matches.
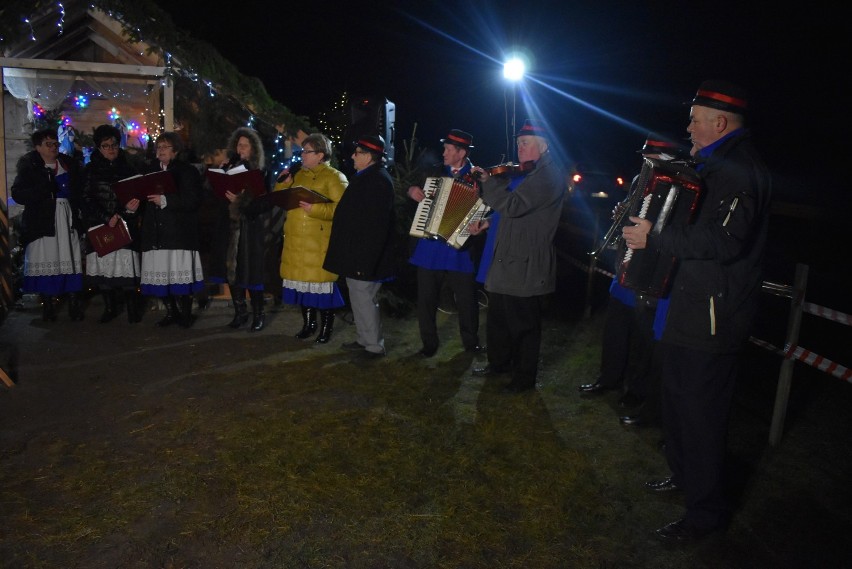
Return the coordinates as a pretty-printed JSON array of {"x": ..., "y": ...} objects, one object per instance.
[
  {"x": 605, "y": 272},
  {"x": 585, "y": 267},
  {"x": 799, "y": 353},
  {"x": 828, "y": 313},
  {"x": 806, "y": 356}
]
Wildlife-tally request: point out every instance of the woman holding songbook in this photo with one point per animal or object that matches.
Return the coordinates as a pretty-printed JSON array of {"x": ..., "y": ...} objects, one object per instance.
[
  {"x": 119, "y": 270},
  {"x": 47, "y": 184},
  {"x": 239, "y": 240},
  {"x": 307, "y": 230},
  {"x": 171, "y": 264}
]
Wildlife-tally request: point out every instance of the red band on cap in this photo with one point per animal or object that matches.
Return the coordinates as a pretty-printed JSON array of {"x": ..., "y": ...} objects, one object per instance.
[
  {"x": 370, "y": 145},
  {"x": 458, "y": 139},
  {"x": 723, "y": 98},
  {"x": 659, "y": 143}
]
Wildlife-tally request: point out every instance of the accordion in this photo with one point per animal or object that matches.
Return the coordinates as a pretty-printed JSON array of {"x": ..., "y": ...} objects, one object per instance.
[
  {"x": 449, "y": 207},
  {"x": 666, "y": 193}
]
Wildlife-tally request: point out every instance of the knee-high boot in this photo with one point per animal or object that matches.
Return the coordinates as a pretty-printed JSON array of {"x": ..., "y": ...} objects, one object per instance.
[
  {"x": 238, "y": 297},
  {"x": 48, "y": 308},
  {"x": 171, "y": 312},
  {"x": 258, "y": 316},
  {"x": 110, "y": 308},
  {"x": 133, "y": 303},
  {"x": 326, "y": 326},
  {"x": 309, "y": 326},
  {"x": 187, "y": 318},
  {"x": 75, "y": 306}
]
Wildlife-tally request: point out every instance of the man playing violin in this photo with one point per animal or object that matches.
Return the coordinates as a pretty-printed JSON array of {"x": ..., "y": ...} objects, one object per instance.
[
  {"x": 519, "y": 263},
  {"x": 440, "y": 264}
]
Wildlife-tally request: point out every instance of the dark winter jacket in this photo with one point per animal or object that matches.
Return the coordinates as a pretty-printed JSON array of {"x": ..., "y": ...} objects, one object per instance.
[
  {"x": 363, "y": 233},
  {"x": 716, "y": 288},
  {"x": 239, "y": 243},
  {"x": 99, "y": 200},
  {"x": 176, "y": 225},
  {"x": 35, "y": 188}
]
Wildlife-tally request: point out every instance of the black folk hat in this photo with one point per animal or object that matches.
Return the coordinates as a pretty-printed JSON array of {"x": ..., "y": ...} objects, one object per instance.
[
  {"x": 656, "y": 143},
  {"x": 372, "y": 143},
  {"x": 532, "y": 128},
  {"x": 721, "y": 95},
  {"x": 460, "y": 138}
]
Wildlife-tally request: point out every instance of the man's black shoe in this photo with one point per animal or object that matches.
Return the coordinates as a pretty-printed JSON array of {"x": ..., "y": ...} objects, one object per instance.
[
  {"x": 476, "y": 349},
  {"x": 488, "y": 370},
  {"x": 630, "y": 421},
  {"x": 665, "y": 485},
  {"x": 594, "y": 388},
  {"x": 679, "y": 531},
  {"x": 368, "y": 355},
  {"x": 428, "y": 352}
]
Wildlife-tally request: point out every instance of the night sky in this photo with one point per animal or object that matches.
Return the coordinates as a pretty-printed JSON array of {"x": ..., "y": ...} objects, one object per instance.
[{"x": 602, "y": 74}]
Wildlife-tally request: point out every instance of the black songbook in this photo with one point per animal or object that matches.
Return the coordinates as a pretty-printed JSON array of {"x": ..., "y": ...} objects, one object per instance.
[
  {"x": 106, "y": 239},
  {"x": 235, "y": 181},
  {"x": 142, "y": 186},
  {"x": 289, "y": 198}
]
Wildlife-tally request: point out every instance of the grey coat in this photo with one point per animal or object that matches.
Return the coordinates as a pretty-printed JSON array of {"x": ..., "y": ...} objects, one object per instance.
[{"x": 524, "y": 259}]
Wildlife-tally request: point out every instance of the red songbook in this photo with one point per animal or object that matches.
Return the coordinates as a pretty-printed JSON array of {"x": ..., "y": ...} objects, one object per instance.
[
  {"x": 106, "y": 239},
  {"x": 248, "y": 180},
  {"x": 289, "y": 198},
  {"x": 142, "y": 186}
]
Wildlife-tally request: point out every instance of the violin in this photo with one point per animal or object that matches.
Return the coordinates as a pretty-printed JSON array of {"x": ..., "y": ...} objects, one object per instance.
[{"x": 510, "y": 169}]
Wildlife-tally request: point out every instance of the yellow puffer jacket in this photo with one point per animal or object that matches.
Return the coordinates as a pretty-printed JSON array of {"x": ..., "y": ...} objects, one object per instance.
[{"x": 306, "y": 234}]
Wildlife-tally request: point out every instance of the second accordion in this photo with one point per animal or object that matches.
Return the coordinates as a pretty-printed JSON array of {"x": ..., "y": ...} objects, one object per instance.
[
  {"x": 666, "y": 193},
  {"x": 447, "y": 210}
]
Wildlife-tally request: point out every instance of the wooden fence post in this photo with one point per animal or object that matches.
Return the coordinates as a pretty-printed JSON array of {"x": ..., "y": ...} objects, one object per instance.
[{"x": 785, "y": 376}]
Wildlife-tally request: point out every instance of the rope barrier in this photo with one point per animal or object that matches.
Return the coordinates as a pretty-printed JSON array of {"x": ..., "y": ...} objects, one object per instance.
[{"x": 806, "y": 356}]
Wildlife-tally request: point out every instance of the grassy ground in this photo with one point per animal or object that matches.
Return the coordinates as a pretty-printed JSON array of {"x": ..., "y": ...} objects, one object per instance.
[{"x": 134, "y": 447}]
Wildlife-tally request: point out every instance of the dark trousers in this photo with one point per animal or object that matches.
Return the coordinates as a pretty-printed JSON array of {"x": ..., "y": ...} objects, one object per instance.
[
  {"x": 514, "y": 335},
  {"x": 627, "y": 346},
  {"x": 644, "y": 360},
  {"x": 618, "y": 328},
  {"x": 697, "y": 392},
  {"x": 463, "y": 285}
]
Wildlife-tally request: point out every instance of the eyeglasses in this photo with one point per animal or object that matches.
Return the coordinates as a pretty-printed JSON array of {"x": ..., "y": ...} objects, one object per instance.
[
  {"x": 164, "y": 147},
  {"x": 310, "y": 151},
  {"x": 109, "y": 146},
  {"x": 50, "y": 144}
]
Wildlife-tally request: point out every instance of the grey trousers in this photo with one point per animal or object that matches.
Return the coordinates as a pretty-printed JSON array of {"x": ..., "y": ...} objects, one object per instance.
[{"x": 363, "y": 297}]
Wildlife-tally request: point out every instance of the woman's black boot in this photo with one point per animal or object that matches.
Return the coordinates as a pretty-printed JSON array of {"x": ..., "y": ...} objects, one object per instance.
[
  {"x": 238, "y": 298},
  {"x": 133, "y": 304},
  {"x": 110, "y": 308},
  {"x": 172, "y": 314},
  {"x": 326, "y": 326},
  {"x": 309, "y": 320},
  {"x": 187, "y": 318},
  {"x": 75, "y": 306},
  {"x": 258, "y": 316},
  {"x": 48, "y": 308}
]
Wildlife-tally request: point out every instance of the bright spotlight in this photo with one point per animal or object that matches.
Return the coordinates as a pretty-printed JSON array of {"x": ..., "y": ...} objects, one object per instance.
[{"x": 513, "y": 70}]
